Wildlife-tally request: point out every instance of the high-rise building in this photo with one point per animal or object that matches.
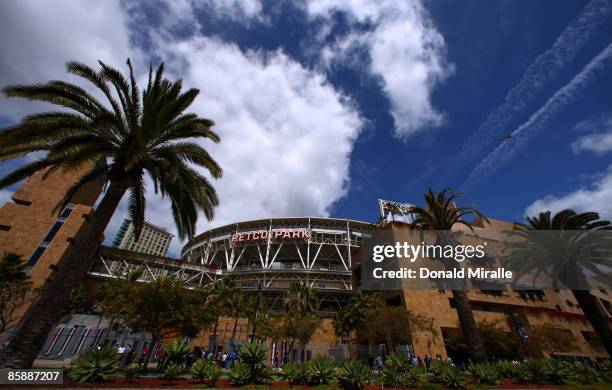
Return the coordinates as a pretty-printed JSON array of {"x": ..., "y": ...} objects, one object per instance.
[{"x": 153, "y": 240}]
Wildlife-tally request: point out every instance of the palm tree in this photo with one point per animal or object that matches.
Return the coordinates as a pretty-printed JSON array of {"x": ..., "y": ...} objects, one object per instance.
[
  {"x": 239, "y": 305},
  {"x": 569, "y": 235},
  {"x": 301, "y": 298},
  {"x": 442, "y": 215},
  {"x": 117, "y": 143},
  {"x": 301, "y": 302},
  {"x": 222, "y": 291}
]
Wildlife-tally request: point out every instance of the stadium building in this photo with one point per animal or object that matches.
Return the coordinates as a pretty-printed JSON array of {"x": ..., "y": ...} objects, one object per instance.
[{"x": 268, "y": 255}]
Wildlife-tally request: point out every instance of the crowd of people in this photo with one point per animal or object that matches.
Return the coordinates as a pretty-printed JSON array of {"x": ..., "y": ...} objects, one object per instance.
[{"x": 129, "y": 354}]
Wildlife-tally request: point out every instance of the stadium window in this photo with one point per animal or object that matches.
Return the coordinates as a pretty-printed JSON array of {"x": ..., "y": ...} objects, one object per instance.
[{"x": 5, "y": 228}]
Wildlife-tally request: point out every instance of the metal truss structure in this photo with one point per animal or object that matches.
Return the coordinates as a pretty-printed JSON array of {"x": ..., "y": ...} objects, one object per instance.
[{"x": 271, "y": 253}]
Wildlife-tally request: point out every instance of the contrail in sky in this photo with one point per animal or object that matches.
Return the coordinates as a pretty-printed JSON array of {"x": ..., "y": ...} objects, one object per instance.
[
  {"x": 543, "y": 69},
  {"x": 522, "y": 134}
]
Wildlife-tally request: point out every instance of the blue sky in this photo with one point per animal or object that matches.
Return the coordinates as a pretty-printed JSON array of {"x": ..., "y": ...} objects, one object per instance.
[{"x": 325, "y": 106}]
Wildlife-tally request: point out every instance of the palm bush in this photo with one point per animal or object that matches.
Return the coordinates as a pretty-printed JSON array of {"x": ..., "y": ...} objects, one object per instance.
[
  {"x": 239, "y": 375},
  {"x": 172, "y": 371},
  {"x": 585, "y": 374},
  {"x": 295, "y": 373},
  {"x": 558, "y": 372},
  {"x": 95, "y": 365},
  {"x": 411, "y": 377},
  {"x": 395, "y": 365},
  {"x": 505, "y": 369},
  {"x": 437, "y": 369},
  {"x": 320, "y": 370},
  {"x": 213, "y": 373},
  {"x": 353, "y": 375},
  {"x": 454, "y": 378},
  {"x": 199, "y": 369},
  {"x": 254, "y": 355},
  {"x": 131, "y": 371},
  {"x": 485, "y": 374},
  {"x": 536, "y": 370},
  {"x": 175, "y": 351}
]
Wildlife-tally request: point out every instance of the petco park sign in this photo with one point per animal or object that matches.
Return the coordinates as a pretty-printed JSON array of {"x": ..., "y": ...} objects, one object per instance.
[{"x": 273, "y": 234}]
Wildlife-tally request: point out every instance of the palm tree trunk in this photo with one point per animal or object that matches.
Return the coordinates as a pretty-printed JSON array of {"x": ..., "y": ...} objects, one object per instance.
[
  {"x": 72, "y": 268},
  {"x": 596, "y": 316},
  {"x": 234, "y": 332},
  {"x": 468, "y": 326},
  {"x": 213, "y": 348}
]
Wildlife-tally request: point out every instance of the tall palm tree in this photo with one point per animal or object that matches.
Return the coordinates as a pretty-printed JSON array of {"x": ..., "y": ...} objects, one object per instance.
[
  {"x": 117, "y": 143},
  {"x": 442, "y": 215},
  {"x": 222, "y": 291},
  {"x": 301, "y": 301},
  {"x": 301, "y": 298},
  {"x": 569, "y": 235},
  {"x": 239, "y": 305}
]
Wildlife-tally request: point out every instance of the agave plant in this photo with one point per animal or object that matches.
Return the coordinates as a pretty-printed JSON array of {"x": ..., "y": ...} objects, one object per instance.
[
  {"x": 199, "y": 369},
  {"x": 295, "y": 374},
  {"x": 213, "y": 373},
  {"x": 558, "y": 372},
  {"x": 536, "y": 370},
  {"x": 239, "y": 375},
  {"x": 320, "y": 370},
  {"x": 485, "y": 374},
  {"x": 130, "y": 371},
  {"x": 172, "y": 372},
  {"x": 353, "y": 375},
  {"x": 253, "y": 356},
  {"x": 411, "y": 377},
  {"x": 95, "y": 366},
  {"x": 454, "y": 378},
  {"x": 175, "y": 351},
  {"x": 437, "y": 370},
  {"x": 395, "y": 365},
  {"x": 505, "y": 368}
]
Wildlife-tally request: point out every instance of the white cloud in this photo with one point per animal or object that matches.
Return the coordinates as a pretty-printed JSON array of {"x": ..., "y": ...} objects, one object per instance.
[
  {"x": 287, "y": 134},
  {"x": 38, "y": 37},
  {"x": 598, "y": 142},
  {"x": 406, "y": 53},
  {"x": 597, "y": 197}
]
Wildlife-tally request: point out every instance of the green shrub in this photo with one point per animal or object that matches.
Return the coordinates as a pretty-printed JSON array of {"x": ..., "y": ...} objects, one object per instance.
[
  {"x": 353, "y": 375},
  {"x": 254, "y": 356},
  {"x": 395, "y": 365},
  {"x": 454, "y": 378},
  {"x": 199, "y": 368},
  {"x": 437, "y": 369},
  {"x": 320, "y": 370},
  {"x": 536, "y": 370},
  {"x": 175, "y": 351},
  {"x": 213, "y": 373},
  {"x": 95, "y": 365},
  {"x": 172, "y": 371},
  {"x": 505, "y": 369},
  {"x": 295, "y": 374},
  {"x": 239, "y": 375},
  {"x": 586, "y": 374},
  {"x": 131, "y": 371},
  {"x": 557, "y": 372},
  {"x": 485, "y": 374},
  {"x": 411, "y": 377}
]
